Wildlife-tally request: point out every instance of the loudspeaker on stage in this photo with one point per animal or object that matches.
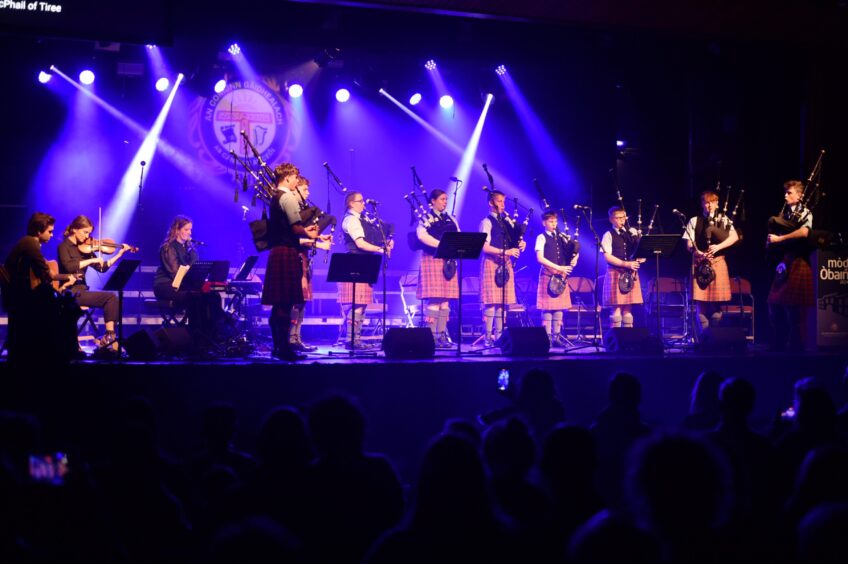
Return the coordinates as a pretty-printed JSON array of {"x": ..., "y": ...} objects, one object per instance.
[
  {"x": 632, "y": 340},
  {"x": 409, "y": 342},
  {"x": 524, "y": 341}
]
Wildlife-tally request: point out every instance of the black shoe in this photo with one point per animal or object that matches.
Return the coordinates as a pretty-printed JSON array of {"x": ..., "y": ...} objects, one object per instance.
[
  {"x": 302, "y": 347},
  {"x": 287, "y": 354}
]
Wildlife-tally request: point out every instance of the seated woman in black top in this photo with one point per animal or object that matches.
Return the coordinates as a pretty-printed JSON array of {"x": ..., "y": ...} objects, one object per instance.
[
  {"x": 72, "y": 260},
  {"x": 177, "y": 250}
]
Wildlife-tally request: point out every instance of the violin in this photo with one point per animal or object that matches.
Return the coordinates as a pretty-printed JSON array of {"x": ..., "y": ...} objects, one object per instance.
[{"x": 106, "y": 246}]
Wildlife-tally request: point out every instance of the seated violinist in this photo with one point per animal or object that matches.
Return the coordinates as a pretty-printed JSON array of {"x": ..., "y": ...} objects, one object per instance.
[{"x": 77, "y": 252}]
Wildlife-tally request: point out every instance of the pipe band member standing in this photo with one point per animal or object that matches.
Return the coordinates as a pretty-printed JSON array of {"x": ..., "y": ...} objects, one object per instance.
[
  {"x": 359, "y": 237},
  {"x": 73, "y": 261},
  {"x": 555, "y": 259},
  {"x": 698, "y": 242},
  {"x": 617, "y": 245},
  {"x": 307, "y": 245},
  {"x": 283, "y": 287},
  {"x": 433, "y": 284},
  {"x": 791, "y": 295},
  {"x": 498, "y": 250}
]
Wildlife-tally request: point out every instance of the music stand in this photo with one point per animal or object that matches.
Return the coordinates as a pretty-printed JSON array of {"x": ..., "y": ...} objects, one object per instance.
[
  {"x": 116, "y": 283},
  {"x": 356, "y": 268},
  {"x": 246, "y": 268},
  {"x": 657, "y": 246},
  {"x": 459, "y": 245},
  {"x": 196, "y": 276}
]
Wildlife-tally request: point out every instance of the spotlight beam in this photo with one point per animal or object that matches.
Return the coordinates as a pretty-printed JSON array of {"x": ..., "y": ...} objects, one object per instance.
[{"x": 464, "y": 169}]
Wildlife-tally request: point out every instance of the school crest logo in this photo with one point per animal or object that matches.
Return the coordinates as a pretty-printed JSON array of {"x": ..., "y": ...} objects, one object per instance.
[{"x": 252, "y": 107}]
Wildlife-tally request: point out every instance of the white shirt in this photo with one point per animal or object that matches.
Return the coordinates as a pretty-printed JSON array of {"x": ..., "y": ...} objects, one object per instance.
[
  {"x": 606, "y": 240},
  {"x": 352, "y": 225},
  {"x": 689, "y": 232}
]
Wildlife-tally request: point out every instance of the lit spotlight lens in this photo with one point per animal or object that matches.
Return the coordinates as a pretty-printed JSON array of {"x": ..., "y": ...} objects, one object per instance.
[
  {"x": 342, "y": 95},
  {"x": 430, "y": 65},
  {"x": 295, "y": 91},
  {"x": 414, "y": 99},
  {"x": 44, "y": 77},
  {"x": 620, "y": 143},
  {"x": 86, "y": 77},
  {"x": 220, "y": 85},
  {"x": 446, "y": 102},
  {"x": 234, "y": 49},
  {"x": 162, "y": 84},
  {"x": 501, "y": 70}
]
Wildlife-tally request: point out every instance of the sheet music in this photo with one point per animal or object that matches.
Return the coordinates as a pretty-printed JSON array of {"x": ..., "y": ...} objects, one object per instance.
[{"x": 178, "y": 278}]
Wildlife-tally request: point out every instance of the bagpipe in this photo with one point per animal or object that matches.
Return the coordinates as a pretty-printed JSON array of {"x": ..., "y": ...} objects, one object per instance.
[
  {"x": 513, "y": 229},
  {"x": 265, "y": 190},
  {"x": 717, "y": 231},
  {"x": 627, "y": 278},
  {"x": 784, "y": 223},
  {"x": 568, "y": 246},
  {"x": 436, "y": 224}
]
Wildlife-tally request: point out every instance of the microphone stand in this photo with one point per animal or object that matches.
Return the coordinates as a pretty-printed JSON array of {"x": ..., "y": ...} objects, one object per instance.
[
  {"x": 140, "y": 214},
  {"x": 385, "y": 244},
  {"x": 595, "y": 298},
  {"x": 457, "y": 184}
]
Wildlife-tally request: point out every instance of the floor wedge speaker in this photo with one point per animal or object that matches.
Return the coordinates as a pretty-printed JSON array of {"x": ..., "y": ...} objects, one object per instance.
[
  {"x": 174, "y": 340},
  {"x": 631, "y": 340},
  {"x": 726, "y": 340},
  {"x": 409, "y": 342},
  {"x": 524, "y": 341},
  {"x": 141, "y": 345}
]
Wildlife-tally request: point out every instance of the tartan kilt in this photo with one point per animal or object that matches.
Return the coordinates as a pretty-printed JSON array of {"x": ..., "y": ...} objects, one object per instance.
[
  {"x": 489, "y": 292},
  {"x": 305, "y": 282},
  {"x": 797, "y": 290},
  {"x": 719, "y": 289},
  {"x": 544, "y": 300},
  {"x": 432, "y": 282},
  {"x": 614, "y": 297},
  {"x": 364, "y": 293},
  {"x": 283, "y": 277}
]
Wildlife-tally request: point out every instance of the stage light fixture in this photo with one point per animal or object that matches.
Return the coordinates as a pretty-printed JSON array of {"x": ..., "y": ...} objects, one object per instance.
[
  {"x": 446, "y": 102},
  {"x": 234, "y": 49},
  {"x": 342, "y": 95},
  {"x": 500, "y": 70},
  {"x": 44, "y": 77},
  {"x": 86, "y": 77},
  {"x": 620, "y": 143},
  {"x": 162, "y": 84},
  {"x": 295, "y": 91},
  {"x": 220, "y": 85},
  {"x": 430, "y": 65},
  {"x": 414, "y": 99}
]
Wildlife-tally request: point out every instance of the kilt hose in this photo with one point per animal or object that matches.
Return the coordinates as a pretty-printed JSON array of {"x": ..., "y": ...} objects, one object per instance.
[
  {"x": 613, "y": 296},
  {"x": 283, "y": 276},
  {"x": 797, "y": 289},
  {"x": 489, "y": 291},
  {"x": 719, "y": 289},
  {"x": 544, "y": 300},
  {"x": 432, "y": 282}
]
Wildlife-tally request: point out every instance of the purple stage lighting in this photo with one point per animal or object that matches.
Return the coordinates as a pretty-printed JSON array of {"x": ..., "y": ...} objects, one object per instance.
[
  {"x": 446, "y": 102},
  {"x": 162, "y": 84},
  {"x": 44, "y": 77},
  {"x": 234, "y": 49},
  {"x": 220, "y": 85},
  {"x": 342, "y": 95},
  {"x": 414, "y": 99},
  {"x": 619, "y": 143},
  {"x": 86, "y": 77},
  {"x": 501, "y": 70},
  {"x": 430, "y": 65},
  {"x": 295, "y": 91}
]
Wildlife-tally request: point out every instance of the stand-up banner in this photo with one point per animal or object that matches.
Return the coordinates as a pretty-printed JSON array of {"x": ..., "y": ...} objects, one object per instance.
[{"x": 832, "y": 297}]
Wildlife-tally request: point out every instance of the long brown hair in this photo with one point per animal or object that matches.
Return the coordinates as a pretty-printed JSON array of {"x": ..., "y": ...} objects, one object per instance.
[
  {"x": 79, "y": 222},
  {"x": 178, "y": 223}
]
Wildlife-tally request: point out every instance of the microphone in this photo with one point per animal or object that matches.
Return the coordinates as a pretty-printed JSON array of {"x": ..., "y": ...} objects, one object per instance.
[
  {"x": 454, "y": 179},
  {"x": 372, "y": 202},
  {"x": 336, "y": 178},
  {"x": 143, "y": 163},
  {"x": 678, "y": 214},
  {"x": 197, "y": 243},
  {"x": 579, "y": 207}
]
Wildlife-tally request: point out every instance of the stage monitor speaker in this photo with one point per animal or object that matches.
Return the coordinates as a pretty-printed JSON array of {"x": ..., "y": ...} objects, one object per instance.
[
  {"x": 409, "y": 342},
  {"x": 173, "y": 340},
  {"x": 727, "y": 340},
  {"x": 631, "y": 340},
  {"x": 524, "y": 341},
  {"x": 141, "y": 345}
]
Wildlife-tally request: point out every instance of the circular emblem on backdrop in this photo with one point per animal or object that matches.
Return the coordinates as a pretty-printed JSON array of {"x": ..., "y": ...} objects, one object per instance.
[{"x": 252, "y": 107}]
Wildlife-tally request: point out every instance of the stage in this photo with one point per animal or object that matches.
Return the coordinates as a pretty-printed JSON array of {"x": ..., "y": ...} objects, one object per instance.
[{"x": 406, "y": 402}]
